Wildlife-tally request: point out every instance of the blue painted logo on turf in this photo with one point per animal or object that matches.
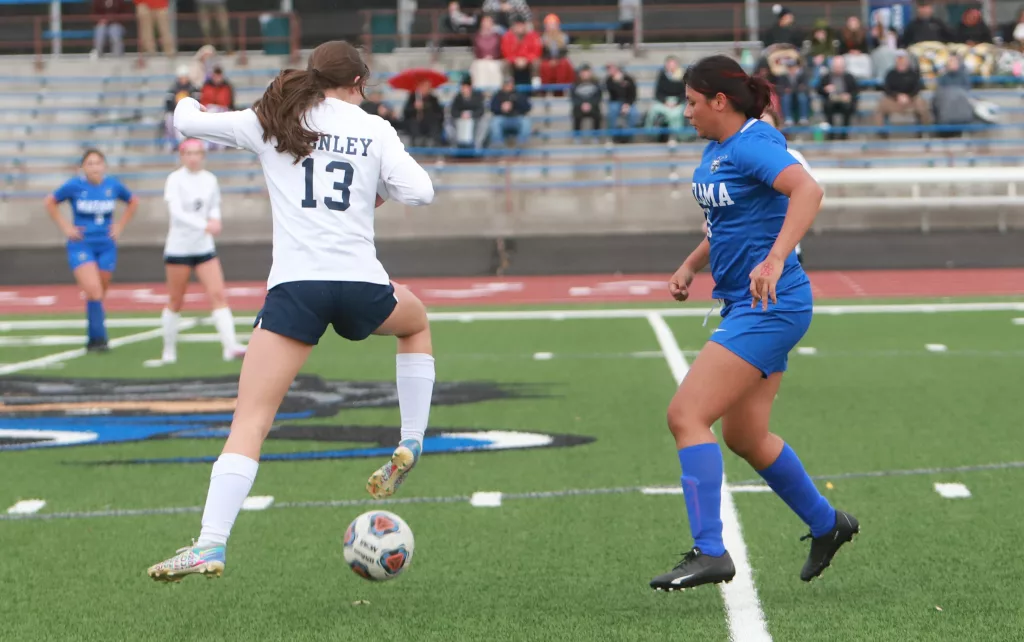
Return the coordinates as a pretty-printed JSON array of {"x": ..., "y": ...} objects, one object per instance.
[{"x": 51, "y": 413}]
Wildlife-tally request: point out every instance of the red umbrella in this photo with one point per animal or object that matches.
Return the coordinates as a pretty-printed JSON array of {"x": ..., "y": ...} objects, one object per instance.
[{"x": 410, "y": 79}]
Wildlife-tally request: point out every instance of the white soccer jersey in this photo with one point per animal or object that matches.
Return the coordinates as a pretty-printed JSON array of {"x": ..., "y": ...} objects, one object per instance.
[
  {"x": 323, "y": 206},
  {"x": 193, "y": 198}
]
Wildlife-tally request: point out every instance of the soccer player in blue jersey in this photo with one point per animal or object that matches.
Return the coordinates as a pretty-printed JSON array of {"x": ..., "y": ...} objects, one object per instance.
[
  {"x": 759, "y": 201},
  {"x": 92, "y": 235}
]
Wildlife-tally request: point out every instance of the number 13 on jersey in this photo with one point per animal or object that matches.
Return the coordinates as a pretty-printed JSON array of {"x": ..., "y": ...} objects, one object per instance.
[{"x": 343, "y": 187}]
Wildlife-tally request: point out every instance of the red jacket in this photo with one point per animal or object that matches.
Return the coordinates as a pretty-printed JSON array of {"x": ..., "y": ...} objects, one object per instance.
[
  {"x": 529, "y": 46},
  {"x": 222, "y": 95}
]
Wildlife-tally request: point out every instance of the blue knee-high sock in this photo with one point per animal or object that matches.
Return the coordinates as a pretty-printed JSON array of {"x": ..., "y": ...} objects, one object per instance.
[
  {"x": 97, "y": 321},
  {"x": 790, "y": 481},
  {"x": 702, "y": 488}
]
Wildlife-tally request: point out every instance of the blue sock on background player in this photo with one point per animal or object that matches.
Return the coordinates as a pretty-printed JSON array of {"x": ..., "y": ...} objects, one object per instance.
[
  {"x": 787, "y": 477},
  {"x": 97, "y": 321},
  {"x": 702, "y": 487}
]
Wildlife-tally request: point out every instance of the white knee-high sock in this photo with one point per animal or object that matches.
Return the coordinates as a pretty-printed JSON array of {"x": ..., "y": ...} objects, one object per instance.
[
  {"x": 415, "y": 376},
  {"x": 230, "y": 482},
  {"x": 225, "y": 324},
  {"x": 169, "y": 320}
]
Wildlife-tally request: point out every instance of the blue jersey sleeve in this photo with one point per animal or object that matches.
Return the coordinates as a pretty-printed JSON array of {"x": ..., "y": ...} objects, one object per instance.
[
  {"x": 65, "y": 191},
  {"x": 762, "y": 158},
  {"x": 122, "y": 192}
]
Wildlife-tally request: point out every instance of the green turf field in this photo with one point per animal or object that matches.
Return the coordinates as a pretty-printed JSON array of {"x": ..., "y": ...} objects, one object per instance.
[{"x": 880, "y": 417}]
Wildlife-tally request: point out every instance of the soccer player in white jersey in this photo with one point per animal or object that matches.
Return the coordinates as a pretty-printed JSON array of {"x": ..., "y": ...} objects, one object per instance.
[
  {"x": 193, "y": 202},
  {"x": 327, "y": 165}
]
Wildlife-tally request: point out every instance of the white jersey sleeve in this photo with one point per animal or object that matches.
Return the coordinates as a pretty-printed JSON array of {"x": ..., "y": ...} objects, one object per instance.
[
  {"x": 214, "y": 211},
  {"x": 401, "y": 176},
  {"x": 800, "y": 158},
  {"x": 234, "y": 128}
]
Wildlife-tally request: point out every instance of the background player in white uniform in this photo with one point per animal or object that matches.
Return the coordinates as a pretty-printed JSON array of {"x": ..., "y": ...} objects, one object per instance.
[
  {"x": 327, "y": 164},
  {"x": 193, "y": 203}
]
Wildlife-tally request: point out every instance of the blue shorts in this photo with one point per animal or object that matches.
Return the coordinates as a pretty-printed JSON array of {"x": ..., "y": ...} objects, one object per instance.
[
  {"x": 764, "y": 338},
  {"x": 102, "y": 252},
  {"x": 302, "y": 310}
]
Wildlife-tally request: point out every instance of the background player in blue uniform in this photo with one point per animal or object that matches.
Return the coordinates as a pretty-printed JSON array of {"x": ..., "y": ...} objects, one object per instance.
[
  {"x": 92, "y": 234},
  {"x": 759, "y": 201}
]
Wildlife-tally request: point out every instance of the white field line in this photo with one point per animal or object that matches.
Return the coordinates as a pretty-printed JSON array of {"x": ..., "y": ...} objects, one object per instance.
[
  {"x": 551, "y": 315},
  {"x": 32, "y": 341},
  {"x": 67, "y": 355},
  {"x": 26, "y": 507},
  {"x": 742, "y": 606}
]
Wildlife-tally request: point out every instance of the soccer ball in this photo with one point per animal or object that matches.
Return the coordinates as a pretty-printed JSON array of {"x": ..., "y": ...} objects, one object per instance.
[{"x": 378, "y": 545}]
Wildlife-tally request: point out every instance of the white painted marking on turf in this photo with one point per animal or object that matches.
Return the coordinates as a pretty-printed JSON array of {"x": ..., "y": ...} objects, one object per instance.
[
  {"x": 749, "y": 488},
  {"x": 485, "y": 500},
  {"x": 27, "y": 507},
  {"x": 746, "y": 620},
  {"x": 67, "y": 355},
  {"x": 47, "y": 437},
  {"x": 542, "y": 356},
  {"x": 257, "y": 502},
  {"x": 807, "y": 350},
  {"x": 662, "y": 490},
  {"x": 952, "y": 491},
  {"x": 1018, "y": 321},
  {"x": 556, "y": 315},
  {"x": 935, "y": 347}
]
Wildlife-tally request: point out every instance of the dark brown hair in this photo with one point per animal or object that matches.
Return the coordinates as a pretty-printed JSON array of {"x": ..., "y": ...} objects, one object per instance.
[
  {"x": 749, "y": 95},
  {"x": 282, "y": 108},
  {"x": 89, "y": 152}
]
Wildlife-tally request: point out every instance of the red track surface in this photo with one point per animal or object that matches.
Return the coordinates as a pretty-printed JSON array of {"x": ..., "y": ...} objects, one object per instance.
[{"x": 547, "y": 290}]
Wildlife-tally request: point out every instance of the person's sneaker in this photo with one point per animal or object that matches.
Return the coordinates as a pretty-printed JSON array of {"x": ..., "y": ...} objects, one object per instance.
[
  {"x": 97, "y": 345},
  {"x": 696, "y": 569},
  {"x": 386, "y": 480},
  {"x": 191, "y": 560},
  {"x": 824, "y": 548}
]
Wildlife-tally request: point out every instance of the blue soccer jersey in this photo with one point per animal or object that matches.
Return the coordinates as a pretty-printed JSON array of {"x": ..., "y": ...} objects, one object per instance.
[
  {"x": 733, "y": 184},
  {"x": 93, "y": 205}
]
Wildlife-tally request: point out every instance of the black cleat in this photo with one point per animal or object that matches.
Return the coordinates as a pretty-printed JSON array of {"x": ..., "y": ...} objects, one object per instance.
[
  {"x": 824, "y": 548},
  {"x": 97, "y": 345},
  {"x": 696, "y": 569}
]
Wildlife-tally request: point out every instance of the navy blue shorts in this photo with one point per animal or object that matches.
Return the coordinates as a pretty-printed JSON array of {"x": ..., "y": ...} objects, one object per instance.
[
  {"x": 302, "y": 310},
  {"x": 191, "y": 260},
  {"x": 764, "y": 338}
]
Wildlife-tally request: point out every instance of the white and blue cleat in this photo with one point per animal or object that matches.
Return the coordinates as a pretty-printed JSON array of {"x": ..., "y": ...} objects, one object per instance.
[
  {"x": 191, "y": 560},
  {"x": 386, "y": 480}
]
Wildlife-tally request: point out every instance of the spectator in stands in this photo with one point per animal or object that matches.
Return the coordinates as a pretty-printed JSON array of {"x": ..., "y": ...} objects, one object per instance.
[
  {"x": 621, "y": 98},
  {"x": 107, "y": 26},
  {"x": 510, "y": 109},
  {"x": 182, "y": 87},
  {"x": 853, "y": 39},
  {"x": 838, "y": 90},
  {"x": 457, "y": 21},
  {"x": 555, "y": 68},
  {"x": 902, "y": 93},
  {"x": 486, "y": 70},
  {"x": 217, "y": 93},
  {"x": 375, "y": 105},
  {"x": 784, "y": 31},
  {"x": 219, "y": 11},
  {"x": 822, "y": 41},
  {"x": 1013, "y": 34},
  {"x": 507, "y": 12},
  {"x": 972, "y": 30},
  {"x": 628, "y": 10},
  {"x": 521, "y": 47},
  {"x": 794, "y": 90},
  {"x": 153, "y": 15},
  {"x": 586, "y": 101},
  {"x": 669, "y": 96},
  {"x": 883, "y": 54},
  {"x": 925, "y": 27},
  {"x": 203, "y": 62},
  {"x": 424, "y": 116},
  {"x": 467, "y": 112},
  {"x": 952, "y": 102}
]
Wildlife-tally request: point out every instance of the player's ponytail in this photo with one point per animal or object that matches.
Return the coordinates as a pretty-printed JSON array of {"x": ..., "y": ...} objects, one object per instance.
[
  {"x": 282, "y": 108},
  {"x": 748, "y": 95}
]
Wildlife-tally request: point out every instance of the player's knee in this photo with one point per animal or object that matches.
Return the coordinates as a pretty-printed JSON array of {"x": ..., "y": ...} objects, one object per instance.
[
  {"x": 217, "y": 299},
  {"x": 683, "y": 421}
]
